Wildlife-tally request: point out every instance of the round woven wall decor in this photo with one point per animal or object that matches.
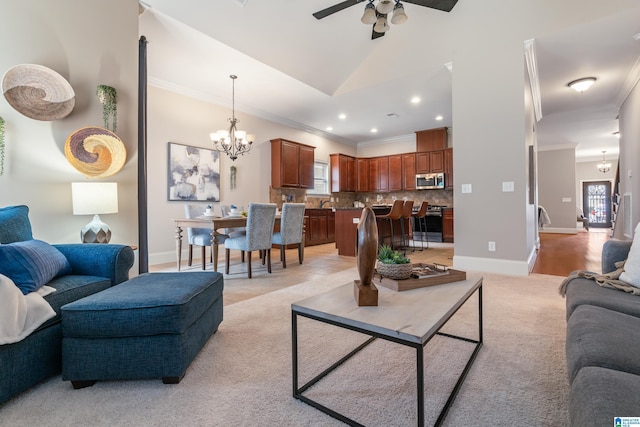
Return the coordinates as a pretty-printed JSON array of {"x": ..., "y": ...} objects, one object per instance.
[
  {"x": 96, "y": 152},
  {"x": 38, "y": 92}
]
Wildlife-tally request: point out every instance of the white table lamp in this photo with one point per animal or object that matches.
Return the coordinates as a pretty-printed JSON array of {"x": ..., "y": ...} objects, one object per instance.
[{"x": 95, "y": 198}]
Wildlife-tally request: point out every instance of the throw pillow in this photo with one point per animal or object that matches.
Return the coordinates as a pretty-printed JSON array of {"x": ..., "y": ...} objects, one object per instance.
[
  {"x": 32, "y": 264},
  {"x": 14, "y": 224},
  {"x": 631, "y": 273}
]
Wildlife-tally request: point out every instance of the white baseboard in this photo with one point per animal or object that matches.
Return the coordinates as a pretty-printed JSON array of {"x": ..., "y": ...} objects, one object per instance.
[
  {"x": 170, "y": 256},
  {"x": 532, "y": 258},
  {"x": 558, "y": 230},
  {"x": 492, "y": 265}
]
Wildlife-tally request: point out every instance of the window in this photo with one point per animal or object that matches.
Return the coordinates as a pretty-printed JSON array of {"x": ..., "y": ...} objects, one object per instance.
[{"x": 320, "y": 178}]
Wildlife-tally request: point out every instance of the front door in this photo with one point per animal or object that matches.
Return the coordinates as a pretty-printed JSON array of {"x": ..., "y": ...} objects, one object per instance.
[{"x": 596, "y": 196}]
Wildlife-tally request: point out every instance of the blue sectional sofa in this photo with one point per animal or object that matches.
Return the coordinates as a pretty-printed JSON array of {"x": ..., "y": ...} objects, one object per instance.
[
  {"x": 603, "y": 342},
  {"x": 93, "y": 268}
]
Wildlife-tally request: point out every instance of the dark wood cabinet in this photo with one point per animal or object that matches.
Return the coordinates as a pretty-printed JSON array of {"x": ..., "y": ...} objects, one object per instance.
[
  {"x": 437, "y": 161},
  {"x": 346, "y": 230},
  {"x": 383, "y": 174},
  {"x": 431, "y": 139},
  {"x": 291, "y": 164},
  {"x": 343, "y": 173},
  {"x": 431, "y": 162},
  {"x": 447, "y": 225},
  {"x": 373, "y": 175},
  {"x": 395, "y": 172},
  {"x": 448, "y": 169},
  {"x": 409, "y": 171},
  {"x": 319, "y": 226},
  {"x": 362, "y": 175},
  {"x": 423, "y": 163}
]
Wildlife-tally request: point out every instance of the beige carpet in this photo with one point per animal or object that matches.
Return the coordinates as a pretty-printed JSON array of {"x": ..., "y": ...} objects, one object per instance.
[{"x": 242, "y": 377}]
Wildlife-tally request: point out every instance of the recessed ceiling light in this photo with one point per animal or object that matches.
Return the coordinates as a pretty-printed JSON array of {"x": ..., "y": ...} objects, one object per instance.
[
  {"x": 636, "y": 37},
  {"x": 342, "y": 116},
  {"x": 415, "y": 100},
  {"x": 581, "y": 85},
  {"x": 374, "y": 130},
  {"x": 329, "y": 128},
  {"x": 439, "y": 118}
]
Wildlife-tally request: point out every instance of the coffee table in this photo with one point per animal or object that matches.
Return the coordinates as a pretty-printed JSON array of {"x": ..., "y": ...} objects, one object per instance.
[{"x": 410, "y": 318}]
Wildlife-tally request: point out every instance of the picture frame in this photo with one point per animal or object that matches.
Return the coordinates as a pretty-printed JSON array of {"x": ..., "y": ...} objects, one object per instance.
[{"x": 193, "y": 173}]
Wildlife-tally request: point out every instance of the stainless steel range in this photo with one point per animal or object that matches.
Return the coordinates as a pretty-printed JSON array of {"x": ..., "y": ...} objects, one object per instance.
[{"x": 433, "y": 233}]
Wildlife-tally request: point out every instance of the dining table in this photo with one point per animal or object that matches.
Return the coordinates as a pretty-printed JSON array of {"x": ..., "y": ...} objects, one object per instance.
[{"x": 215, "y": 223}]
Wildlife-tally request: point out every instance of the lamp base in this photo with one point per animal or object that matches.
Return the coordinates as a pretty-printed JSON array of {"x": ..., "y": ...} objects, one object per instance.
[{"x": 95, "y": 232}]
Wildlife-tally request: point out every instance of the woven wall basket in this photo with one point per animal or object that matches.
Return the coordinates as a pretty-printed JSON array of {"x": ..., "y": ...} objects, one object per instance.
[
  {"x": 38, "y": 92},
  {"x": 394, "y": 271},
  {"x": 96, "y": 152}
]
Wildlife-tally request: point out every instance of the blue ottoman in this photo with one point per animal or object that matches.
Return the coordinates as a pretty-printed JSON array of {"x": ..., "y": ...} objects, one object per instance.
[{"x": 151, "y": 326}]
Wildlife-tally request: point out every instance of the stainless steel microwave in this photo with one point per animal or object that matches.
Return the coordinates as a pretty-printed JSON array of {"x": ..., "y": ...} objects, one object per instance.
[{"x": 430, "y": 181}]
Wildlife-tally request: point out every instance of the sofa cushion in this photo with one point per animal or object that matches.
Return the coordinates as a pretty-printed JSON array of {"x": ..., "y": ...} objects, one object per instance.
[
  {"x": 583, "y": 291},
  {"x": 14, "y": 224},
  {"x": 600, "y": 337},
  {"x": 598, "y": 395},
  {"x": 32, "y": 264},
  {"x": 631, "y": 273}
]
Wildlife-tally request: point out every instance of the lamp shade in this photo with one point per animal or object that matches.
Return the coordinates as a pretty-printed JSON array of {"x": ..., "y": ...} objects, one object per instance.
[
  {"x": 399, "y": 17},
  {"x": 90, "y": 198}
]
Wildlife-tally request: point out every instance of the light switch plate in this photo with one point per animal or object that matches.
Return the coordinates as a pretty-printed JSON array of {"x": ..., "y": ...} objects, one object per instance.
[
  {"x": 508, "y": 187},
  {"x": 466, "y": 188}
]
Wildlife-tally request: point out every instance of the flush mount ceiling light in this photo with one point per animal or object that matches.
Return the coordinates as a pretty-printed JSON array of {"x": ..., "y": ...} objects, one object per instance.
[
  {"x": 581, "y": 85},
  {"x": 604, "y": 167}
]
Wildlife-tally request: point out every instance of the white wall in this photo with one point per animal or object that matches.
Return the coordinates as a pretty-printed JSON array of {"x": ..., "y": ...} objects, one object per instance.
[
  {"x": 77, "y": 39},
  {"x": 173, "y": 117},
  {"x": 557, "y": 183}
]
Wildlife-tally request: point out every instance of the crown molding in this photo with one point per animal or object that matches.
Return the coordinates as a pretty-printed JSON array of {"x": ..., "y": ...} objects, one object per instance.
[
  {"x": 390, "y": 140},
  {"x": 556, "y": 147},
  {"x": 226, "y": 102},
  {"x": 534, "y": 79}
]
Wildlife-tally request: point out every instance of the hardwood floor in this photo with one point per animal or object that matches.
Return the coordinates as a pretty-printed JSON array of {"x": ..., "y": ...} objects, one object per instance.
[{"x": 560, "y": 254}]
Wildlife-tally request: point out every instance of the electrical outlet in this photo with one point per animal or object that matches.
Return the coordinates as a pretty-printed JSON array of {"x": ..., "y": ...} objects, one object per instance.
[
  {"x": 566, "y": 200},
  {"x": 492, "y": 246}
]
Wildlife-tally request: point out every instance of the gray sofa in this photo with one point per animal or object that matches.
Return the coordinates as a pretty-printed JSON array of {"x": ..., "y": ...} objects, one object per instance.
[
  {"x": 602, "y": 347},
  {"x": 93, "y": 268}
]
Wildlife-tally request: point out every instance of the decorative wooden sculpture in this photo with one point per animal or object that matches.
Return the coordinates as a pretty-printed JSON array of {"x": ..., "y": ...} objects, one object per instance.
[{"x": 365, "y": 292}]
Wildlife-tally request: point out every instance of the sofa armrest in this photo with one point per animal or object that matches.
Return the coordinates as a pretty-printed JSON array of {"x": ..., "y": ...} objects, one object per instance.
[
  {"x": 612, "y": 252},
  {"x": 99, "y": 259}
]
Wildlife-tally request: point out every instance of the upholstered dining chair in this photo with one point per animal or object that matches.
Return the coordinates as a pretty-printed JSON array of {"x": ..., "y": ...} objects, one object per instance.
[
  {"x": 291, "y": 230},
  {"x": 421, "y": 218},
  {"x": 234, "y": 231},
  {"x": 394, "y": 214},
  {"x": 260, "y": 220},
  {"x": 198, "y": 236}
]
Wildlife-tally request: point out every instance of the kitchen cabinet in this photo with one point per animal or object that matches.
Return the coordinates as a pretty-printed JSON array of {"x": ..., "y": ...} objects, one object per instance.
[
  {"x": 447, "y": 225},
  {"x": 343, "y": 173},
  {"x": 431, "y": 139},
  {"x": 395, "y": 172},
  {"x": 346, "y": 230},
  {"x": 409, "y": 171},
  {"x": 430, "y": 162},
  {"x": 291, "y": 164},
  {"x": 362, "y": 175},
  {"x": 319, "y": 226},
  {"x": 448, "y": 169},
  {"x": 383, "y": 174}
]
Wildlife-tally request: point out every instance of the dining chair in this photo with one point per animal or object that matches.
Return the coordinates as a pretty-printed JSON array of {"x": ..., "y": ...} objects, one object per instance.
[
  {"x": 394, "y": 214},
  {"x": 291, "y": 230},
  {"x": 198, "y": 236},
  {"x": 405, "y": 218},
  {"x": 260, "y": 220},
  {"x": 421, "y": 218}
]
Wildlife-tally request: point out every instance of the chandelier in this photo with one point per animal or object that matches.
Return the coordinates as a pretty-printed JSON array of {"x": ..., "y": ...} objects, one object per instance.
[
  {"x": 378, "y": 14},
  {"x": 604, "y": 167},
  {"x": 232, "y": 142}
]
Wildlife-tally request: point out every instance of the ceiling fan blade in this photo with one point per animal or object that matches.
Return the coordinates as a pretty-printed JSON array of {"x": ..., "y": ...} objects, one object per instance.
[
  {"x": 444, "y": 5},
  {"x": 336, "y": 8}
]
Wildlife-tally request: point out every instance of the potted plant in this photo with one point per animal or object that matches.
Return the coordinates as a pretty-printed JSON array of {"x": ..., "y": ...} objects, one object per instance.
[
  {"x": 108, "y": 98},
  {"x": 393, "y": 264}
]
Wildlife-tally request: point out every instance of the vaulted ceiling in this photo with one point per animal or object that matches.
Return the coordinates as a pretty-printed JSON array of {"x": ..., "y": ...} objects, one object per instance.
[{"x": 304, "y": 72}]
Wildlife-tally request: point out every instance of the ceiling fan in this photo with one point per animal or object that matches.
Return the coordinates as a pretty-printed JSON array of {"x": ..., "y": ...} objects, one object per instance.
[{"x": 377, "y": 15}]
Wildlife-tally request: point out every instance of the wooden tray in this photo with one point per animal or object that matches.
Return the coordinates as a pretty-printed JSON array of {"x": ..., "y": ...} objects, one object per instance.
[{"x": 438, "y": 278}]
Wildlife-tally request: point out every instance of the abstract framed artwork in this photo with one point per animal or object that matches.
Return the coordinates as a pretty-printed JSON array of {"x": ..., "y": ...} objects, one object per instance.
[{"x": 193, "y": 173}]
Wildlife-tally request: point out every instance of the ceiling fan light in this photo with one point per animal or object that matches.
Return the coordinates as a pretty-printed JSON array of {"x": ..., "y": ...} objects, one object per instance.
[
  {"x": 381, "y": 25},
  {"x": 399, "y": 17},
  {"x": 581, "y": 85},
  {"x": 385, "y": 6},
  {"x": 369, "y": 16}
]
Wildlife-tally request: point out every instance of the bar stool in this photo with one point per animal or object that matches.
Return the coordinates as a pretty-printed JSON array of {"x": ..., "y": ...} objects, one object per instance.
[
  {"x": 407, "y": 213},
  {"x": 421, "y": 218},
  {"x": 394, "y": 214}
]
